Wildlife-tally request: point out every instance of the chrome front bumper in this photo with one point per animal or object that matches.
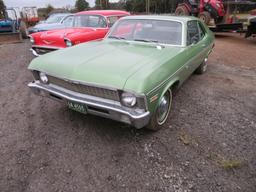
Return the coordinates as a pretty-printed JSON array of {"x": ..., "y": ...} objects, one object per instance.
[
  {"x": 34, "y": 52},
  {"x": 43, "y": 49},
  {"x": 96, "y": 106}
]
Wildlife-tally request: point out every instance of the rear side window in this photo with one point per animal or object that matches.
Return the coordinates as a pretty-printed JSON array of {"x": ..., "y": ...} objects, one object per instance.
[
  {"x": 201, "y": 30},
  {"x": 192, "y": 32},
  {"x": 112, "y": 20}
]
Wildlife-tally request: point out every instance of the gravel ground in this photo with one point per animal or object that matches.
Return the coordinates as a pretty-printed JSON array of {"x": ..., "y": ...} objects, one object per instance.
[{"x": 208, "y": 144}]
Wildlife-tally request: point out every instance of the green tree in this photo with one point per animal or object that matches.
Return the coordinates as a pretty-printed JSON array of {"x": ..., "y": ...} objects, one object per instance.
[
  {"x": 2, "y": 9},
  {"x": 136, "y": 5},
  {"x": 49, "y": 9},
  {"x": 102, "y": 4},
  {"x": 169, "y": 6},
  {"x": 155, "y": 6},
  {"x": 81, "y": 5}
]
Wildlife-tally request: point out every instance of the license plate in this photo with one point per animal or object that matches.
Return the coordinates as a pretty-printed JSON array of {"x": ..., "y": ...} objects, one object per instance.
[{"x": 78, "y": 107}]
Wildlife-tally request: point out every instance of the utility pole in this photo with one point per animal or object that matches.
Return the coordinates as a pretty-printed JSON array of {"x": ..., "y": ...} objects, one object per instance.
[
  {"x": 147, "y": 6},
  {"x": 106, "y": 4},
  {"x": 173, "y": 8},
  {"x": 100, "y": 4}
]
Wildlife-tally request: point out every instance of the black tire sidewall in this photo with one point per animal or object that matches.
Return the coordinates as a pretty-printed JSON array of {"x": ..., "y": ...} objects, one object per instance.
[
  {"x": 207, "y": 17},
  {"x": 153, "y": 124},
  {"x": 23, "y": 30},
  {"x": 181, "y": 9},
  {"x": 200, "y": 70}
]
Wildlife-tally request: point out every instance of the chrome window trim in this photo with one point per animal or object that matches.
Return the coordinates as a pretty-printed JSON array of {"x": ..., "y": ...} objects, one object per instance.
[
  {"x": 182, "y": 31},
  {"x": 104, "y": 17}
]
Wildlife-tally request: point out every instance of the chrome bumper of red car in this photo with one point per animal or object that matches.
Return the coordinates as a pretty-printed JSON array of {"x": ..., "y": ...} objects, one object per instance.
[
  {"x": 40, "y": 50},
  {"x": 96, "y": 106},
  {"x": 34, "y": 52}
]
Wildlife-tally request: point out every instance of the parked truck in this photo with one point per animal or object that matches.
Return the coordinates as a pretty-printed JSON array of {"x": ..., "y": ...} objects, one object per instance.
[
  {"x": 204, "y": 9},
  {"x": 208, "y": 10},
  {"x": 13, "y": 26},
  {"x": 30, "y": 15}
]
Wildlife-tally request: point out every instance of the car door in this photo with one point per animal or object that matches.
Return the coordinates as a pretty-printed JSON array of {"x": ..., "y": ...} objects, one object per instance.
[
  {"x": 103, "y": 29},
  {"x": 196, "y": 45}
]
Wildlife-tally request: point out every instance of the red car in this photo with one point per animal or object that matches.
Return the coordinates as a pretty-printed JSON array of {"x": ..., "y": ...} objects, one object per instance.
[{"x": 83, "y": 27}]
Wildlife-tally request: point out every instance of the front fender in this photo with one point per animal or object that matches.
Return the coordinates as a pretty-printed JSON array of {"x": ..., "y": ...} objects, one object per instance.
[
  {"x": 174, "y": 82},
  {"x": 78, "y": 38}
]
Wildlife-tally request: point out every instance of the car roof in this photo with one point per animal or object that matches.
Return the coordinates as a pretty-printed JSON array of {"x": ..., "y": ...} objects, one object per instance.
[
  {"x": 60, "y": 14},
  {"x": 104, "y": 12},
  {"x": 163, "y": 17}
]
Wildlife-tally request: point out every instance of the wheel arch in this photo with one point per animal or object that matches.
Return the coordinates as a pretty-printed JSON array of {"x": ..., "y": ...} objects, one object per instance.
[{"x": 172, "y": 85}]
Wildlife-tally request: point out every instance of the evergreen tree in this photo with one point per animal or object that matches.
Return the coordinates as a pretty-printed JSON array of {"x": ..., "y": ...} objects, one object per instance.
[
  {"x": 49, "y": 9},
  {"x": 102, "y": 4},
  {"x": 2, "y": 9},
  {"x": 81, "y": 5}
]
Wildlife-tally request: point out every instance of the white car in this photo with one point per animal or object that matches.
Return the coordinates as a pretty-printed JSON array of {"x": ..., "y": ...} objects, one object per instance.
[{"x": 55, "y": 21}]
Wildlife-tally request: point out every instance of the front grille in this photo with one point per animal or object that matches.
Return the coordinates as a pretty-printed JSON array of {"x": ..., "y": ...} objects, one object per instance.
[
  {"x": 42, "y": 51},
  {"x": 85, "y": 89}
]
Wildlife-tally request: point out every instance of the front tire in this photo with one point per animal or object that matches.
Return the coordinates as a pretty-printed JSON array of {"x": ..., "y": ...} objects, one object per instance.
[
  {"x": 24, "y": 30},
  {"x": 161, "y": 114}
]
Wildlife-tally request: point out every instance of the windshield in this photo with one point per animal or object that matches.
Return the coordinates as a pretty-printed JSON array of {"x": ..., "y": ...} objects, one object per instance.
[
  {"x": 95, "y": 21},
  {"x": 145, "y": 30},
  {"x": 11, "y": 14},
  {"x": 55, "y": 19}
]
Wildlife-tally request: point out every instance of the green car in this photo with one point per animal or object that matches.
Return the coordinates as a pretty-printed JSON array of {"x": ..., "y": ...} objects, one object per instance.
[{"x": 131, "y": 74}]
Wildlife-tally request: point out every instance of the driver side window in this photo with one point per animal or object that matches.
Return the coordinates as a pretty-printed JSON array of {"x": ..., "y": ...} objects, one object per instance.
[
  {"x": 68, "y": 21},
  {"x": 192, "y": 32}
]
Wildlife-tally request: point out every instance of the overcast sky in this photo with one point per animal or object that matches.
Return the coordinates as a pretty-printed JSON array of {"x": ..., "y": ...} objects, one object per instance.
[{"x": 42, "y": 3}]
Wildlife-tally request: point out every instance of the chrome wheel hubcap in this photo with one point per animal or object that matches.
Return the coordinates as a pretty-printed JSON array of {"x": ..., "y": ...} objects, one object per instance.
[
  {"x": 163, "y": 108},
  {"x": 205, "y": 65}
]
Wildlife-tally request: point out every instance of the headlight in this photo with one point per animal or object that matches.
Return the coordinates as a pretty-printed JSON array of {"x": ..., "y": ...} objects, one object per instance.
[
  {"x": 128, "y": 99},
  {"x": 32, "y": 40},
  {"x": 68, "y": 43},
  {"x": 43, "y": 77}
]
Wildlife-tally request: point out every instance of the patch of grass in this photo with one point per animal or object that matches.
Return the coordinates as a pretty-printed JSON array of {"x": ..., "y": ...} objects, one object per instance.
[{"x": 231, "y": 164}]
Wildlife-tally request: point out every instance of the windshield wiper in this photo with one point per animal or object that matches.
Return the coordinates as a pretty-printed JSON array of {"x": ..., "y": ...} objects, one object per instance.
[
  {"x": 158, "y": 45},
  {"x": 116, "y": 37},
  {"x": 146, "y": 40}
]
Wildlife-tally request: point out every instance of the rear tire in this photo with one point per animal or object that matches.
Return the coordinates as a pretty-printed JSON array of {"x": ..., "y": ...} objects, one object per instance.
[
  {"x": 205, "y": 17},
  {"x": 202, "y": 68},
  {"x": 24, "y": 30},
  {"x": 181, "y": 10},
  {"x": 161, "y": 114}
]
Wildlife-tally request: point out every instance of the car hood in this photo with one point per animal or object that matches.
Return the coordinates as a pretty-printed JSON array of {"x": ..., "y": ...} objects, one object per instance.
[
  {"x": 55, "y": 38},
  {"x": 107, "y": 63},
  {"x": 62, "y": 33}
]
